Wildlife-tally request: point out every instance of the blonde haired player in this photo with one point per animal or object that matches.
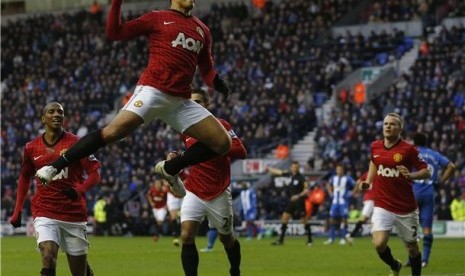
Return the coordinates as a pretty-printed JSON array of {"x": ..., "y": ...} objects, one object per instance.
[{"x": 394, "y": 165}]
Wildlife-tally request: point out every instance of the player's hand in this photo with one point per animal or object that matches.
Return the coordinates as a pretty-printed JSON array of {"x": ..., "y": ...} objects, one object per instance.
[
  {"x": 171, "y": 155},
  {"x": 71, "y": 193},
  {"x": 221, "y": 86},
  {"x": 404, "y": 171},
  {"x": 365, "y": 186},
  {"x": 295, "y": 197},
  {"x": 15, "y": 220}
]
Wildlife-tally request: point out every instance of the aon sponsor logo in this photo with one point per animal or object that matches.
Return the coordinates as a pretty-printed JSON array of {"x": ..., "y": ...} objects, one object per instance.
[
  {"x": 187, "y": 43},
  {"x": 388, "y": 172},
  {"x": 61, "y": 175}
]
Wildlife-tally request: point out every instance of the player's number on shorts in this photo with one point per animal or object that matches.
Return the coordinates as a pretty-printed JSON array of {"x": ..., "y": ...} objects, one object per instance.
[
  {"x": 227, "y": 223},
  {"x": 415, "y": 231}
]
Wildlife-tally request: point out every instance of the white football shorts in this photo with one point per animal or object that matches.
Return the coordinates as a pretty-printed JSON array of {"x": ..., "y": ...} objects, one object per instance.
[
  {"x": 69, "y": 236},
  {"x": 218, "y": 211},
  {"x": 407, "y": 225},
  {"x": 159, "y": 213},
  {"x": 367, "y": 209},
  {"x": 173, "y": 203},
  {"x": 180, "y": 113}
]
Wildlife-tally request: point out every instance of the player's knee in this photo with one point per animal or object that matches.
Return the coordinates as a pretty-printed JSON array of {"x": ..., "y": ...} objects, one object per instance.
[
  {"x": 227, "y": 240},
  {"x": 380, "y": 245},
  {"x": 413, "y": 249},
  {"x": 187, "y": 237},
  {"x": 111, "y": 133},
  {"x": 118, "y": 130},
  {"x": 49, "y": 259}
]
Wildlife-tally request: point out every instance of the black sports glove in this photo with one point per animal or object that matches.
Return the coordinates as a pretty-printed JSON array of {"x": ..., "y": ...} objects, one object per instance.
[
  {"x": 220, "y": 85},
  {"x": 71, "y": 193},
  {"x": 16, "y": 223}
]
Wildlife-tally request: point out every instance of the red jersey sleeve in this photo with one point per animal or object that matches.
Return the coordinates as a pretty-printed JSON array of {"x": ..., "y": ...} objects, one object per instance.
[
  {"x": 206, "y": 61},
  {"x": 237, "y": 150},
  {"x": 416, "y": 160},
  {"x": 91, "y": 165},
  {"x": 116, "y": 29},
  {"x": 27, "y": 172}
]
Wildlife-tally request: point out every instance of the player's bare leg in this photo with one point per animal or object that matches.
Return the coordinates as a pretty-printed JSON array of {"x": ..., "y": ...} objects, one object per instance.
[
  {"x": 233, "y": 251},
  {"x": 123, "y": 124},
  {"x": 78, "y": 265},
  {"x": 49, "y": 253}
]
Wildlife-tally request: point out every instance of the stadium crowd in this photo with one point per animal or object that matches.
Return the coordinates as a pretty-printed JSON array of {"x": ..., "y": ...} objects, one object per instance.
[
  {"x": 429, "y": 11},
  {"x": 274, "y": 69}
]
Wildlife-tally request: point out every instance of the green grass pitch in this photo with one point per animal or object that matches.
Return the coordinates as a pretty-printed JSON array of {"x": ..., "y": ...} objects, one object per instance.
[{"x": 140, "y": 256}]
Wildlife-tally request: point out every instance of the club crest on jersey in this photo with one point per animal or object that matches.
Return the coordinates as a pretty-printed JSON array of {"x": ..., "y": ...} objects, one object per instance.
[
  {"x": 138, "y": 103},
  {"x": 397, "y": 157},
  {"x": 187, "y": 43},
  {"x": 200, "y": 31}
]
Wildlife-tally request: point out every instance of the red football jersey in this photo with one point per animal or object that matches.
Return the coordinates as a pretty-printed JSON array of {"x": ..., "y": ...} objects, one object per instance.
[
  {"x": 209, "y": 179},
  {"x": 49, "y": 201},
  {"x": 393, "y": 192},
  {"x": 158, "y": 196},
  {"x": 177, "y": 44}
]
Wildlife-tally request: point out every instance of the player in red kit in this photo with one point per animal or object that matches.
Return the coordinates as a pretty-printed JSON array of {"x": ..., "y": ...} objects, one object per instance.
[
  {"x": 157, "y": 198},
  {"x": 59, "y": 210},
  {"x": 208, "y": 195},
  {"x": 393, "y": 167},
  {"x": 367, "y": 211},
  {"x": 178, "y": 44}
]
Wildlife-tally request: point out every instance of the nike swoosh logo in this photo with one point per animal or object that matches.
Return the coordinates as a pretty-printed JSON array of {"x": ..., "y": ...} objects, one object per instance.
[
  {"x": 376, "y": 155},
  {"x": 167, "y": 23},
  {"x": 37, "y": 157}
]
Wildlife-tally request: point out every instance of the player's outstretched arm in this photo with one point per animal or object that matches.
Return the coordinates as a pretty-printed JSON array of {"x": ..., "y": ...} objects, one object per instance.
[
  {"x": 23, "y": 188},
  {"x": 274, "y": 171},
  {"x": 116, "y": 29}
]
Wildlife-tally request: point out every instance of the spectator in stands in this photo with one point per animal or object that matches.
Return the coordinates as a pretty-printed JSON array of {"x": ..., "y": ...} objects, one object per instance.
[
  {"x": 457, "y": 208},
  {"x": 100, "y": 217},
  {"x": 96, "y": 11},
  {"x": 359, "y": 94}
]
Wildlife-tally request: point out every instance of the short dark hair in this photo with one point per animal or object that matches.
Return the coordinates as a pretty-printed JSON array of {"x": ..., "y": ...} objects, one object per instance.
[
  {"x": 420, "y": 139},
  {"x": 204, "y": 93},
  {"x": 47, "y": 107}
]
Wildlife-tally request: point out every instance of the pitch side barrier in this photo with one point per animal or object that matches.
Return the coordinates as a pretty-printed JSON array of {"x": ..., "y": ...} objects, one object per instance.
[{"x": 271, "y": 228}]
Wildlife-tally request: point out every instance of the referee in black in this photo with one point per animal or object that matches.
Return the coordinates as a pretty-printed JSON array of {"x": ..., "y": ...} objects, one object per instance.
[{"x": 298, "y": 192}]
